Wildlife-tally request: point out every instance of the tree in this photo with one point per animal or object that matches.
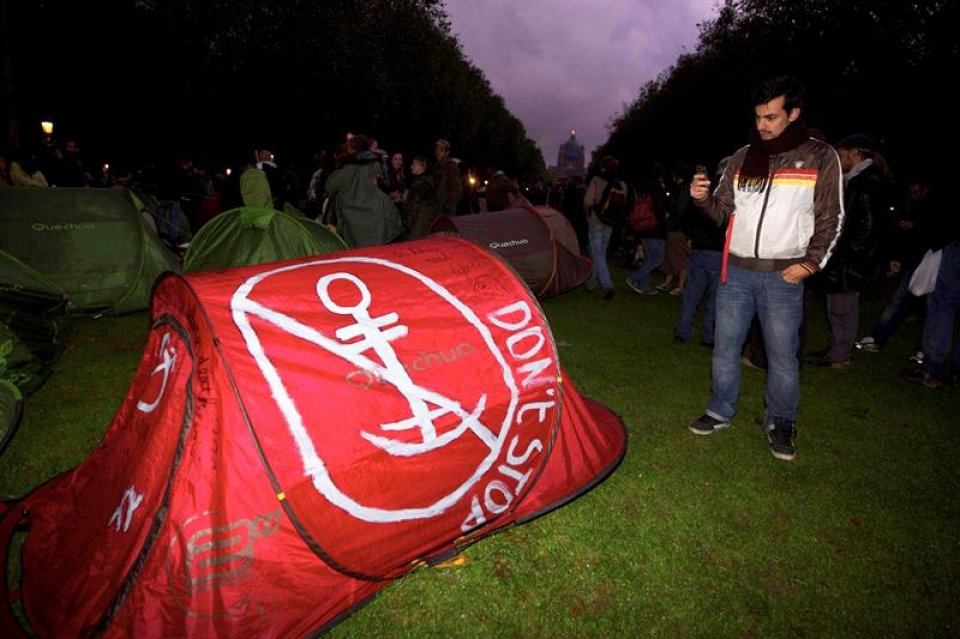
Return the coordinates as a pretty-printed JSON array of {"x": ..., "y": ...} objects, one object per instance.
[
  {"x": 221, "y": 77},
  {"x": 875, "y": 67}
]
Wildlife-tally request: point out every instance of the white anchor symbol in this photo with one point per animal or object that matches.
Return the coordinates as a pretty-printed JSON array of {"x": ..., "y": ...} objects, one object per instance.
[{"x": 370, "y": 333}]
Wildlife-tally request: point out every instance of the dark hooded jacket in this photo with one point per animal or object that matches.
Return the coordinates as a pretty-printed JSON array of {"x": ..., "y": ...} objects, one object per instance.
[{"x": 857, "y": 260}]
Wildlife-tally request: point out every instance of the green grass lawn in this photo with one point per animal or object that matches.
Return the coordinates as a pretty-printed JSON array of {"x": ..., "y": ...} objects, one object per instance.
[{"x": 691, "y": 535}]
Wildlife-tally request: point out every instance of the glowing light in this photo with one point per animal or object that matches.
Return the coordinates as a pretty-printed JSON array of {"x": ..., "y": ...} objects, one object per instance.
[{"x": 47, "y": 127}]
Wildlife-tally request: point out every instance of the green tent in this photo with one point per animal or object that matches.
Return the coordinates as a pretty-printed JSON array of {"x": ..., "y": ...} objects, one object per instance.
[
  {"x": 32, "y": 323},
  {"x": 11, "y": 409},
  {"x": 32, "y": 336},
  {"x": 254, "y": 235},
  {"x": 93, "y": 245}
]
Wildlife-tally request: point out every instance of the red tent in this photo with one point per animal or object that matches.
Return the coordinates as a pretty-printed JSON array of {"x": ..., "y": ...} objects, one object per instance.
[
  {"x": 300, "y": 433},
  {"x": 537, "y": 241}
]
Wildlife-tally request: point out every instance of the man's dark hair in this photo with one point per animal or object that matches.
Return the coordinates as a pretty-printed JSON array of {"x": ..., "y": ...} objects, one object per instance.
[{"x": 790, "y": 88}]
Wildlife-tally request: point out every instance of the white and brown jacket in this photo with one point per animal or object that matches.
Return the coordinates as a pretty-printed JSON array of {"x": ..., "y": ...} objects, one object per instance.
[{"x": 795, "y": 219}]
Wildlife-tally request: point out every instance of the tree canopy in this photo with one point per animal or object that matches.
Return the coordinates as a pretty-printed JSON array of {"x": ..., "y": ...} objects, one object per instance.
[
  {"x": 878, "y": 67},
  {"x": 147, "y": 79}
]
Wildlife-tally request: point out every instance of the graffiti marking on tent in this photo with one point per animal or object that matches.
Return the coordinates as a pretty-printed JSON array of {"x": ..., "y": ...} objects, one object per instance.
[
  {"x": 424, "y": 361},
  {"x": 168, "y": 357},
  {"x": 368, "y": 343},
  {"x": 129, "y": 503},
  {"x": 210, "y": 555}
]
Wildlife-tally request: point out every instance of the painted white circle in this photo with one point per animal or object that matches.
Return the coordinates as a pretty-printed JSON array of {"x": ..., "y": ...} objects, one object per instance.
[{"x": 242, "y": 307}]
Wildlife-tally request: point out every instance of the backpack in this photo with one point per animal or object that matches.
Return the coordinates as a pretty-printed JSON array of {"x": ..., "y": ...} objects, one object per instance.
[
  {"x": 613, "y": 205},
  {"x": 642, "y": 216}
]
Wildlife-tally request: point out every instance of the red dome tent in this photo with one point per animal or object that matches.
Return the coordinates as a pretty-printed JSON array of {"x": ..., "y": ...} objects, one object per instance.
[
  {"x": 538, "y": 242},
  {"x": 300, "y": 433}
]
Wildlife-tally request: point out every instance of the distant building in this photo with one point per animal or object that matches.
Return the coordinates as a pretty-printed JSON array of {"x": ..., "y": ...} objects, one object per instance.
[{"x": 570, "y": 160}]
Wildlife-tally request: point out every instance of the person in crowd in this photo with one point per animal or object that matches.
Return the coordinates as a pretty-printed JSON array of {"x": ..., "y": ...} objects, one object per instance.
[
  {"x": 755, "y": 355},
  {"x": 557, "y": 190},
  {"x": 447, "y": 173},
  {"x": 470, "y": 196},
  {"x": 255, "y": 186},
  {"x": 910, "y": 239},
  {"x": 703, "y": 275},
  {"x": 25, "y": 170},
  {"x": 501, "y": 191},
  {"x": 599, "y": 232},
  {"x": 782, "y": 197},
  {"x": 267, "y": 162},
  {"x": 66, "y": 166},
  {"x": 366, "y": 216},
  {"x": 653, "y": 240},
  {"x": 855, "y": 263},
  {"x": 383, "y": 160},
  {"x": 395, "y": 179},
  {"x": 676, "y": 243},
  {"x": 572, "y": 208},
  {"x": 941, "y": 356},
  {"x": 4, "y": 169},
  {"x": 314, "y": 192},
  {"x": 421, "y": 199}
]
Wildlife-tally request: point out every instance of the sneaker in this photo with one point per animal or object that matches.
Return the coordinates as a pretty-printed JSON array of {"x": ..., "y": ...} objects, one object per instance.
[
  {"x": 639, "y": 291},
  {"x": 781, "y": 433},
  {"x": 921, "y": 377},
  {"x": 917, "y": 357},
  {"x": 664, "y": 287},
  {"x": 867, "y": 344},
  {"x": 706, "y": 425},
  {"x": 676, "y": 291}
]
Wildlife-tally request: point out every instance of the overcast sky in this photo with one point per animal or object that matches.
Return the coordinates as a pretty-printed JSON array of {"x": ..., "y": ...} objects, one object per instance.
[{"x": 573, "y": 64}]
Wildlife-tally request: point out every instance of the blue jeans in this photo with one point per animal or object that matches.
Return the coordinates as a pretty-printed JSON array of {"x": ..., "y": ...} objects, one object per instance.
[
  {"x": 168, "y": 220},
  {"x": 942, "y": 307},
  {"x": 599, "y": 237},
  {"x": 654, "y": 248},
  {"x": 703, "y": 279},
  {"x": 779, "y": 306},
  {"x": 891, "y": 317}
]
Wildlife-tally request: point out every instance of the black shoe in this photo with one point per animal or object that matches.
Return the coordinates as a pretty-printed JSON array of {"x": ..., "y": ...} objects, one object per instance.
[
  {"x": 706, "y": 425},
  {"x": 836, "y": 364},
  {"x": 608, "y": 294},
  {"x": 781, "y": 433},
  {"x": 679, "y": 340},
  {"x": 706, "y": 344},
  {"x": 921, "y": 377}
]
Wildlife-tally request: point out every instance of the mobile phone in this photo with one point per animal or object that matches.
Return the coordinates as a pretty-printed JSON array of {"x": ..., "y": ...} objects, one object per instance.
[{"x": 701, "y": 169}]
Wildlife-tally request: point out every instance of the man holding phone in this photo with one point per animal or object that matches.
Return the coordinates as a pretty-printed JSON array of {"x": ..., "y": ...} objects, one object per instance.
[{"x": 782, "y": 198}]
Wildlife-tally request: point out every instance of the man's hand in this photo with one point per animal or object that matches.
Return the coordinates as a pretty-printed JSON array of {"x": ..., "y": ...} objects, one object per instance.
[
  {"x": 700, "y": 187},
  {"x": 794, "y": 274}
]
